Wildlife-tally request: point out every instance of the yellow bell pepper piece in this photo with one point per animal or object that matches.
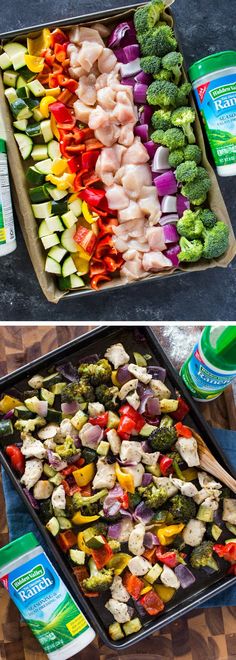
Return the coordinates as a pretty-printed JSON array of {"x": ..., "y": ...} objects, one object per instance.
[
  {"x": 8, "y": 403},
  {"x": 43, "y": 106},
  {"x": 119, "y": 562},
  {"x": 167, "y": 534},
  {"x": 61, "y": 182},
  {"x": 54, "y": 91},
  {"x": 125, "y": 480},
  {"x": 83, "y": 254},
  {"x": 89, "y": 216},
  {"x": 82, "y": 545},
  {"x": 146, "y": 589},
  {"x": 79, "y": 519},
  {"x": 53, "y": 125},
  {"x": 72, "y": 197},
  {"x": 34, "y": 64},
  {"x": 190, "y": 474},
  {"x": 114, "y": 379},
  {"x": 84, "y": 474},
  {"x": 165, "y": 593},
  {"x": 59, "y": 166},
  {"x": 35, "y": 46},
  {"x": 81, "y": 264}
]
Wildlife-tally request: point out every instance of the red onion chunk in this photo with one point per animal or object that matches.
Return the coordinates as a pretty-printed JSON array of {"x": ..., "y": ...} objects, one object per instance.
[
  {"x": 142, "y": 131},
  {"x": 143, "y": 513},
  {"x": 9, "y": 414},
  {"x": 34, "y": 503},
  {"x": 120, "y": 55},
  {"x": 55, "y": 461},
  {"x": 126, "y": 513},
  {"x": 150, "y": 540},
  {"x": 144, "y": 78},
  {"x": 69, "y": 371},
  {"x": 166, "y": 183},
  {"x": 151, "y": 148},
  {"x": 130, "y": 69},
  {"x": 92, "y": 358},
  {"x": 171, "y": 218},
  {"x": 146, "y": 394},
  {"x": 182, "y": 204},
  {"x": 140, "y": 92},
  {"x": 158, "y": 373},
  {"x": 130, "y": 82},
  {"x": 70, "y": 408},
  {"x": 147, "y": 479},
  {"x": 161, "y": 162},
  {"x": 131, "y": 52},
  {"x": 91, "y": 435},
  {"x": 169, "y": 204},
  {"x": 73, "y": 458},
  {"x": 120, "y": 31},
  {"x": 113, "y": 509},
  {"x": 114, "y": 531},
  {"x": 153, "y": 407},
  {"x": 123, "y": 374},
  {"x": 172, "y": 254},
  {"x": 154, "y": 421},
  {"x": 145, "y": 114},
  {"x": 170, "y": 234},
  {"x": 184, "y": 575}
]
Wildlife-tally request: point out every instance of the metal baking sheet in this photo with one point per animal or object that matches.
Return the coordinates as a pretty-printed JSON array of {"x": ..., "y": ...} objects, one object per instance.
[{"x": 138, "y": 339}]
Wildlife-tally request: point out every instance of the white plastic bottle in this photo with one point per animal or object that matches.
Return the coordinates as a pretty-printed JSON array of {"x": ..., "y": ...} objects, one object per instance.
[
  {"x": 7, "y": 228},
  {"x": 43, "y": 599}
]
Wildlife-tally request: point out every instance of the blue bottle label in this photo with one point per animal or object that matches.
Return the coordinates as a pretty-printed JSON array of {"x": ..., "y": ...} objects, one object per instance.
[
  {"x": 203, "y": 381},
  {"x": 45, "y": 603},
  {"x": 216, "y": 100}
]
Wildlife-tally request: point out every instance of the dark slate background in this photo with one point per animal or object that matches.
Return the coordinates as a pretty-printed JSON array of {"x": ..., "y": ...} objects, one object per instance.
[{"x": 204, "y": 28}]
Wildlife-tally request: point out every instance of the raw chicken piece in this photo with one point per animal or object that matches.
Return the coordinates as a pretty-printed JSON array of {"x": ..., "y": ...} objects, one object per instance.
[
  {"x": 132, "y": 211},
  {"x": 148, "y": 191},
  {"x": 106, "y": 61},
  {"x": 106, "y": 98},
  {"x": 129, "y": 255},
  {"x": 74, "y": 34},
  {"x": 78, "y": 34},
  {"x": 150, "y": 206},
  {"x": 86, "y": 90},
  {"x": 89, "y": 53},
  {"x": 124, "y": 94},
  {"x": 120, "y": 244},
  {"x": 106, "y": 165},
  {"x": 82, "y": 111},
  {"x": 116, "y": 197},
  {"x": 102, "y": 81},
  {"x": 136, "y": 154},
  {"x": 132, "y": 270},
  {"x": 123, "y": 113},
  {"x": 98, "y": 117},
  {"x": 134, "y": 177},
  {"x": 155, "y": 237},
  {"x": 138, "y": 230},
  {"x": 107, "y": 135},
  {"x": 71, "y": 48},
  {"x": 74, "y": 58},
  {"x": 102, "y": 29},
  {"x": 138, "y": 246},
  {"x": 126, "y": 136},
  {"x": 77, "y": 72},
  {"x": 155, "y": 261}
]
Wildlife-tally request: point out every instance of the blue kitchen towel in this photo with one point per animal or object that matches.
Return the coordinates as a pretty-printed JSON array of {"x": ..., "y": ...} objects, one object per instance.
[{"x": 20, "y": 521}]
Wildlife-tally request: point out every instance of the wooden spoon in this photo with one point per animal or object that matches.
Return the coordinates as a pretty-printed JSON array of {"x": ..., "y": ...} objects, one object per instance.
[{"x": 211, "y": 465}]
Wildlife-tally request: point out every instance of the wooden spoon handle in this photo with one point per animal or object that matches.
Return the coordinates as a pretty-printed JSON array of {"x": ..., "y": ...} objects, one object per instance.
[{"x": 213, "y": 467}]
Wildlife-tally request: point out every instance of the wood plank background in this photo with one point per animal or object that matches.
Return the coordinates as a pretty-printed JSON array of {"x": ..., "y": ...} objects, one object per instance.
[{"x": 208, "y": 633}]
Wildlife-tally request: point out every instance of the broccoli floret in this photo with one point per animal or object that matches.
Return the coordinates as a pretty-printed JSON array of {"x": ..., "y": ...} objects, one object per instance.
[
  {"x": 166, "y": 422},
  {"x": 163, "y": 74},
  {"x": 182, "y": 508},
  {"x": 106, "y": 395},
  {"x": 190, "y": 225},
  {"x": 202, "y": 556},
  {"x": 155, "y": 497},
  {"x": 163, "y": 439},
  {"x": 175, "y": 457},
  {"x": 81, "y": 392},
  {"x": 216, "y": 241},
  {"x": 97, "y": 373},
  {"x": 91, "y": 509},
  {"x": 174, "y": 138},
  {"x": 183, "y": 117},
  {"x": 162, "y": 92},
  {"x": 197, "y": 190},
  {"x": 161, "y": 120},
  {"x": 150, "y": 64},
  {"x": 27, "y": 425},
  {"x": 114, "y": 545},
  {"x": 173, "y": 62},
  {"x": 159, "y": 41},
  {"x": 190, "y": 250},
  {"x": 208, "y": 218},
  {"x": 134, "y": 499},
  {"x": 101, "y": 581},
  {"x": 80, "y": 501},
  {"x": 193, "y": 152},
  {"x": 183, "y": 94},
  {"x": 67, "y": 449},
  {"x": 186, "y": 172},
  {"x": 146, "y": 17},
  {"x": 176, "y": 157},
  {"x": 158, "y": 136}
]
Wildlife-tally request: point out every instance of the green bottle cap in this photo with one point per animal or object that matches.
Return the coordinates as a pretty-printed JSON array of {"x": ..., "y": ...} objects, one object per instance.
[
  {"x": 17, "y": 548},
  {"x": 3, "y": 146},
  {"x": 219, "y": 346},
  {"x": 215, "y": 62}
]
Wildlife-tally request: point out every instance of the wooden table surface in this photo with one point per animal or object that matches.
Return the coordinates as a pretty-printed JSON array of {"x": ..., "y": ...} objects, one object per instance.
[{"x": 208, "y": 633}]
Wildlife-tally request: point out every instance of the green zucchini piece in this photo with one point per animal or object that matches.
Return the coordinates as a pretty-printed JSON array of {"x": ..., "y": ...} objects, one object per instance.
[
  {"x": 55, "y": 193},
  {"x": 54, "y": 223},
  {"x": 20, "y": 109},
  {"x": 50, "y": 241},
  {"x": 33, "y": 130},
  {"x": 36, "y": 88},
  {"x": 57, "y": 480},
  {"x": 23, "y": 412},
  {"x": 5, "y": 62},
  {"x": 59, "y": 207},
  {"x": 44, "y": 166},
  {"x": 16, "y": 53},
  {"x": 46, "y": 395},
  {"x": 58, "y": 388},
  {"x": 49, "y": 470},
  {"x": 54, "y": 149},
  {"x": 6, "y": 427},
  {"x": 76, "y": 207},
  {"x": 32, "y": 103},
  {"x": 77, "y": 556},
  {"x": 40, "y": 153},
  {"x": 25, "y": 144},
  {"x": 64, "y": 522},
  {"x": 68, "y": 267},
  {"x": 20, "y": 125},
  {"x": 205, "y": 514},
  {"x": 54, "y": 378},
  {"x": 41, "y": 210},
  {"x": 10, "y": 77},
  {"x": 22, "y": 92},
  {"x": 43, "y": 229},
  {"x": 69, "y": 219},
  {"x": 46, "y": 130},
  {"x": 39, "y": 194},
  {"x": 57, "y": 253},
  {"x": 34, "y": 177},
  {"x": 67, "y": 239},
  {"x": 53, "y": 526},
  {"x": 54, "y": 415},
  {"x": 10, "y": 94},
  {"x": 216, "y": 532}
]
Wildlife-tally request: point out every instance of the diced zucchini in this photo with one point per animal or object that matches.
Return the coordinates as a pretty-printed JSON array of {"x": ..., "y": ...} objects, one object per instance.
[
  {"x": 36, "y": 381},
  {"x": 57, "y": 480},
  {"x": 57, "y": 253},
  {"x": 69, "y": 219},
  {"x": 40, "y": 153},
  {"x": 231, "y": 528},
  {"x": 25, "y": 144},
  {"x": 55, "y": 193},
  {"x": 216, "y": 532},
  {"x": 154, "y": 573},
  {"x": 95, "y": 542},
  {"x": 21, "y": 82},
  {"x": 46, "y": 130},
  {"x": 20, "y": 109},
  {"x": 77, "y": 556},
  {"x": 5, "y": 61},
  {"x": 10, "y": 78},
  {"x": 22, "y": 92},
  {"x": 115, "y": 631},
  {"x": 32, "y": 103},
  {"x": 53, "y": 526},
  {"x": 33, "y": 130},
  {"x": 132, "y": 626},
  {"x": 6, "y": 427},
  {"x": 36, "y": 88},
  {"x": 58, "y": 388},
  {"x": 50, "y": 241},
  {"x": 33, "y": 176},
  {"x": 26, "y": 74},
  {"x": 37, "y": 115},
  {"x": 54, "y": 223},
  {"x": 54, "y": 415},
  {"x": 49, "y": 470},
  {"x": 146, "y": 430},
  {"x": 59, "y": 207},
  {"x": 68, "y": 267},
  {"x": 16, "y": 53},
  {"x": 103, "y": 448},
  {"x": 23, "y": 412},
  {"x": 54, "y": 149},
  {"x": 42, "y": 210},
  {"x": 36, "y": 406},
  {"x": 64, "y": 522},
  {"x": 205, "y": 514},
  {"x": 54, "y": 378},
  {"x": 67, "y": 240},
  {"x": 168, "y": 405},
  {"x": 154, "y": 469},
  {"x": 73, "y": 281},
  {"x": 44, "y": 166},
  {"x": 38, "y": 194},
  {"x": 52, "y": 266},
  {"x": 11, "y": 95},
  {"x": 48, "y": 396},
  {"x": 76, "y": 207},
  {"x": 79, "y": 420},
  {"x": 20, "y": 125},
  {"x": 44, "y": 230}
]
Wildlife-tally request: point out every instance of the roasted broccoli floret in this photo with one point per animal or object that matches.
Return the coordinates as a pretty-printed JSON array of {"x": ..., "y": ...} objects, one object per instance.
[
  {"x": 150, "y": 64},
  {"x": 27, "y": 425},
  {"x": 174, "y": 138},
  {"x": 155, "y": 497},
  {"x": 81, "y": 392},
  {"x": 146, "y": 17},
  {"x": 197, "y": 190},
  {"x": 190, "y": 225},
  {"x": 191, "y": 251},
  {"x": 208, "y": 218},
  {"x": 172, "y": 62},
  {"x": 193, "y": 152},
  {"x": 161, "y": 120},
  {"x": 91, "y": 509},
  {"x": 163, "y": 439},
  {"x": 80, "y": 501},
  {"x": 163, "y": 74},
  {"x": 162, "y": 92},
  {"x": 158, "y": 41},
  {"x": 202, "y": 556},
  {"x": 216, "y": 240},
  {"x": 114, "y": 545},
  {"x": 106, "y": 395},
  {"x": 100, "y": 581},
  {"x": 182, "y": 508},
  {"x": 176, "y": 157},
  {"x": 97, "y": 373},
  {"x": 166, "y": 422},
  {"x": 183, "y": 94},
  {"x": 183, "y": 117},
  {"x": 186, "y": 172},
  {"x": 67, "y": 449}
]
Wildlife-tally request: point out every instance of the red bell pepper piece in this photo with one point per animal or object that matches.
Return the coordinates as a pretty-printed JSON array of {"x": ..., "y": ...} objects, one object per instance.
[
  {"x": 106, "y": 225},
  {"x": 61, "y": 113},
  {"x": 90, "y": 178},
  {"x": 86, "y": 238},
  {"x": 104, "y": 246},
  {"x": 86, "y": 491},
  {"x": 166, "y": 465},
  {"x": 124, "y": 501},
  {"x": 152, "y": 603},
  {"x": 66, "y": 540},
  {"x": 49, "y": 58},
  {"x": 60, "y": 51},
  {"x": 89, "y": 159},
  {"x": 150, "y": 554},
  {"x": 181, "y": 411},
  {"x": 113, "y": 264},
  {"x": 97, "y": 267},
  {"x": 126, "y": 426},
  {"x": 66, "y": 487},
  {"x": 133, "y": 584},
  {"x": 183, "y": 431},
  {"x": 70, "y": 84},
  {"x": 97, "y": 280},
  {"x": 81, "y": 573},
  {"x": 227, "y": 551},
  {"x": 68, "y": 470},
  {"x": 129, "y": 411},
  {"x": 170, "y": 558},
  {"x": 58, "y": 37},
  {"x": 74, "y": 489},
  {"x": 93, "y": 196},
  {"x": 102, "y": 555},
  {"x": 100, "y": 420},
  {"x": 16, "y": 458},
  {"x": 74, "y": 164}
]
